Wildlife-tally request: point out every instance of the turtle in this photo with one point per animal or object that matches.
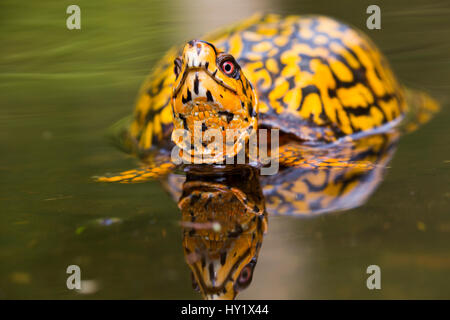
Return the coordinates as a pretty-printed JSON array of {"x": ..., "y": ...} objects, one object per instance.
[
  {"x": 329, "y": 92},
  {"x": 316, "y": 80}
]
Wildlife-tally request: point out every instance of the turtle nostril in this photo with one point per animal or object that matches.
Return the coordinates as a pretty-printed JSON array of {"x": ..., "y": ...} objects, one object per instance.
[{"x": 194, "y": 42}]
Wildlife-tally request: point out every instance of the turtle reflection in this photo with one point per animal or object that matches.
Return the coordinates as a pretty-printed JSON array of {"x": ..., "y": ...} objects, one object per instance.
[
  {"x": 224, "y": 214},
  {"x": 224, "y": 220}
]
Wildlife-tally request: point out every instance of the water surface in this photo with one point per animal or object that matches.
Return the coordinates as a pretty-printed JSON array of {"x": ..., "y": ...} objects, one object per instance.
[{"x": 59, "y": 92}]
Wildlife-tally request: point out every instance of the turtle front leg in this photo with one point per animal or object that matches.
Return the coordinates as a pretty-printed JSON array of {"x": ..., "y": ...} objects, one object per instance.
[{"x": 155, "y": 169}]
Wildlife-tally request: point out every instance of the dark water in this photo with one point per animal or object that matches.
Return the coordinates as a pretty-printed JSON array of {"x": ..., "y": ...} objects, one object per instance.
[{"x": 61, "y": 89}]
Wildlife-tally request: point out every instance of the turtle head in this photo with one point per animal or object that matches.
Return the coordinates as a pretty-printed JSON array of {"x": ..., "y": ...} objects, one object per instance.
[{"x": 213, "y": 101}]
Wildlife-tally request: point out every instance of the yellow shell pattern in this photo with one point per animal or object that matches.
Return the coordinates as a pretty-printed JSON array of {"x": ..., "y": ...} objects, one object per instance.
[{"x": 314, "y": 77}]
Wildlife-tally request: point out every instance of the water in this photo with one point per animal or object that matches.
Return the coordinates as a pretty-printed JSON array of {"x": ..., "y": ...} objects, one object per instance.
[{"x": 59, "y": 92}]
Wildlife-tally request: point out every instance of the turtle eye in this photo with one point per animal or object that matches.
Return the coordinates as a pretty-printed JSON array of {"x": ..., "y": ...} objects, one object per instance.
[
  {"x": 177, "y": 66},
  {"x": 228, "y": 67}
]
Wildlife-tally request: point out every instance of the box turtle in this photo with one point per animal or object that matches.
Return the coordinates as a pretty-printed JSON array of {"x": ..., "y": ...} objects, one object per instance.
[
  {"x": 318, "y": 81},
  {"x": 322, "y": 84}
]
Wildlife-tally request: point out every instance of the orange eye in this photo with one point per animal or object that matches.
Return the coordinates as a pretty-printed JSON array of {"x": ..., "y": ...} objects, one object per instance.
[{"x": 228, "y": 67}]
